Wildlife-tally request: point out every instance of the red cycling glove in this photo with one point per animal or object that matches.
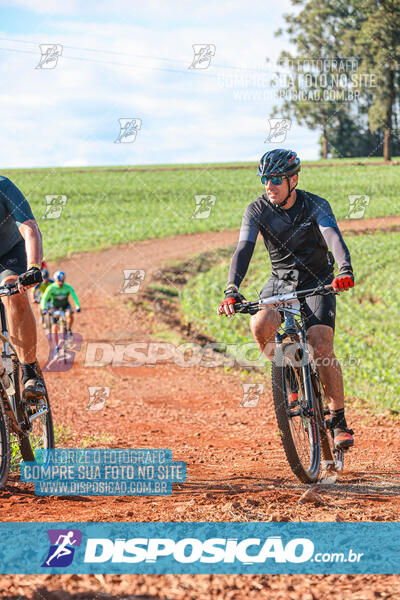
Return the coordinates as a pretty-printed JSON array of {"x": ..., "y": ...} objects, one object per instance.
[
  {"x": 343, "y": 282},
  {"x": 226, "y": 303},
  {"x": 226, "y": 306}
]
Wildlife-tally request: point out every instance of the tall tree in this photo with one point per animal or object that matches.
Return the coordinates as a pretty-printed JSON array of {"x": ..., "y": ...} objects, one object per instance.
[
  {"x": 316, "y": 90},
  {"x": 378, "y": 44}
]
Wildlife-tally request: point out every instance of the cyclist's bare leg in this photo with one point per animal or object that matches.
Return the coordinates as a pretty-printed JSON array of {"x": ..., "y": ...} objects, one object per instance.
[
  {"x": 21, "y": 324},
  {"x": 69, "y": 319},
  {"x": 264, "y": 325},
  {"x": 54, "y": 332},
  {"x": 320, "y": 338}
]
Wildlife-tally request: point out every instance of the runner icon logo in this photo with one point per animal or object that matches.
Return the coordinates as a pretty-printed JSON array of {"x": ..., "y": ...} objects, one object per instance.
[
  {"x": 204, "y": 204},
  {"x": 55, "y": 362},
  {"x": 50, "y": 53},
  {"x": 358, "y": 204},
  {"x": 251, "y": 394},
  {"x": 98, "y": 396},
  {"x": 55, "y": 204},
  {"x": 128, "y": 130},
  {"x": 132, "y": 280},
  {"x": 203, "y": 53},
  {"x": 62, "y": 547},
  {"x": 277, "y": 130}
]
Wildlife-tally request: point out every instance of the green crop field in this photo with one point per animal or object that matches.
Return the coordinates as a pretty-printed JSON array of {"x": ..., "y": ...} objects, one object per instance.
[
  {"x": 111, "y": 206},
  {"x": 367, "y": 338}
]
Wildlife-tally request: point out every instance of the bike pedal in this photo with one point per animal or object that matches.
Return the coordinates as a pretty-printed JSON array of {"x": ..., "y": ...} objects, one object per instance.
[{"x": 344, "y": 449}]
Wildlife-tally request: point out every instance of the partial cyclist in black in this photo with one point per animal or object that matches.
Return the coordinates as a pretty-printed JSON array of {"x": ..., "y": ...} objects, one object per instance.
[
  {"x": 21, "y": 259},
  {"x": 303, "y": 239}
]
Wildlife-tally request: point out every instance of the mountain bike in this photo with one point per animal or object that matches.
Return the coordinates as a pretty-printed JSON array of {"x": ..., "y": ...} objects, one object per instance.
[
  {"x": 298, "y": 395},
  {"x": 24, "y": 427}
]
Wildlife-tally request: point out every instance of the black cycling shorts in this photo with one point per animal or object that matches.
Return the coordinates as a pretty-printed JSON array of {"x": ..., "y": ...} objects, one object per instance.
[
  {"x": 316, "y": 310},
  {"x": 14, "y": 262},
  {"x": 64, "y": 308}
]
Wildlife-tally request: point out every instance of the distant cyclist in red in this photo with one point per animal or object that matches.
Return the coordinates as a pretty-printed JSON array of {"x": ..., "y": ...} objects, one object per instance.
[{"x": 298, "y": 228}]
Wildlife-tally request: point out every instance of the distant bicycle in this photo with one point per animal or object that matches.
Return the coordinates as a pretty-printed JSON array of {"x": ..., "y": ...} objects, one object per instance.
[
  {"x": 297, "y": 391},
  {"x": 24, "y": 427}
]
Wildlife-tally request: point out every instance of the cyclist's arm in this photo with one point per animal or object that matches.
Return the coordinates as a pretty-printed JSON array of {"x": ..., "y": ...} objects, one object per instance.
[
  {"x": 74, "y": 296},
  {"x": 331, "y": 233},
  {"x": 45, "y": 297},
  {"x": 33, "y": 242},
  {"x": 245, "y": 248}
]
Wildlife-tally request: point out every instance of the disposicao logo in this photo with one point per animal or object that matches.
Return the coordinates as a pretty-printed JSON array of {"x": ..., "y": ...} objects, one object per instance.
[
  {"x": 190, "y": 550},
  {"x": 63, "y": 543}
]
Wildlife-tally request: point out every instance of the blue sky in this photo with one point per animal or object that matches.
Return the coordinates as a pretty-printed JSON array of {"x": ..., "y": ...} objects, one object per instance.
[{"x": 126, "y": 59}]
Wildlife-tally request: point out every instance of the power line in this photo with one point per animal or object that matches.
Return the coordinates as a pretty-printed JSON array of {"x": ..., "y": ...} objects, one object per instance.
[{"x": 143, "y": 56}]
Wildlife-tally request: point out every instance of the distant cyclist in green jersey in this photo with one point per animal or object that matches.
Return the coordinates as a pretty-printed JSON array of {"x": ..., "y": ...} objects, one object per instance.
[{"x": 57, "y": 294}]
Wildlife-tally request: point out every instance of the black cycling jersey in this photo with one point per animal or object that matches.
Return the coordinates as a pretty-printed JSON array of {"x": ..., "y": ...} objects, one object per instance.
[
  {"x": 14, "y": 210},
  {"x": 297, "y": 239}
]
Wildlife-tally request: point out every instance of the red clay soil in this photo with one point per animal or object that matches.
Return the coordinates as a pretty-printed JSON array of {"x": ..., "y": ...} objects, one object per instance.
[{"x": 236, "y": 469}]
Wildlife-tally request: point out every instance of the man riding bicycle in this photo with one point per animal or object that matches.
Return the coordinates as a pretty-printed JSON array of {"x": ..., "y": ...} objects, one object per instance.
[
  {"x": 40, "y": 289},
  {"x": 297, "y": 228},
  {"x": 20, "y": 259},
  {"x": 57, "y": 295}
]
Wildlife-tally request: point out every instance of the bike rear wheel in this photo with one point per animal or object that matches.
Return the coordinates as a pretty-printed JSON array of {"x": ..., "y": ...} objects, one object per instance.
[{"x": 297, "y": 421}]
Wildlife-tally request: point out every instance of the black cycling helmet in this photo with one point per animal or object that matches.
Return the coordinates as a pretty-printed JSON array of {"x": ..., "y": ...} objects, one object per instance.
[
  {"x": 45, "y": 274},
  {"x": 279, "y": 162}
]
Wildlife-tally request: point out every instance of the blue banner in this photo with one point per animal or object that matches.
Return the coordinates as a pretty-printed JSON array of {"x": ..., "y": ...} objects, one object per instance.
[
  {"x": 307, "y": 548},
  {"x": 103, "y": 472}
]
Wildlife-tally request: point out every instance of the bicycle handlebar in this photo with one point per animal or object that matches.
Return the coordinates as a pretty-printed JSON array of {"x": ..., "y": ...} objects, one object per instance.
[
  {"x": 9, "y": 289},
  {"x": 288, "y": 297}
]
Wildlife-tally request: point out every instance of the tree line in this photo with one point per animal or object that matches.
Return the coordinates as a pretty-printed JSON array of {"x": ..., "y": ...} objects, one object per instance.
[{"x": 343, "y": 75}]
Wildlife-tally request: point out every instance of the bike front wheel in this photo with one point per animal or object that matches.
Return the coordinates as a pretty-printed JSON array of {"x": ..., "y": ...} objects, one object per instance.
[{"x": 297, "y": 421}]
